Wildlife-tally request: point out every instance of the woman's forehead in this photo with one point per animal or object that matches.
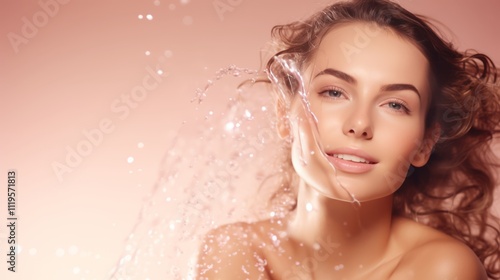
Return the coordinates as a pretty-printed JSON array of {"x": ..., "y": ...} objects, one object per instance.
[{"x": 360, "y": 47}]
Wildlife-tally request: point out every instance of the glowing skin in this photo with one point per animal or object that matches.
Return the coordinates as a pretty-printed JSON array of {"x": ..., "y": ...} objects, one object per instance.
[
  {"x": 359, "y": 118},
  {"x": 370, "y": 106}
]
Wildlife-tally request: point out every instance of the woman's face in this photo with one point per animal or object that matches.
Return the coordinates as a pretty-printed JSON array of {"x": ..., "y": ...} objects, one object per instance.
[{"x": 368, "y": 89}]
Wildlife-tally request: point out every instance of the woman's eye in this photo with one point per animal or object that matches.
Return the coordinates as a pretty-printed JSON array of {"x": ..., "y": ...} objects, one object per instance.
[
  {"x": 395, "y": 105},
  {"x": 398, "y": 106},
  {"x": 335, "y": 93}
]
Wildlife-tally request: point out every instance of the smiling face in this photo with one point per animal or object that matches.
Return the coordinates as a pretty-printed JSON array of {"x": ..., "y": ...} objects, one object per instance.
[{"x": 369, "y": 90}]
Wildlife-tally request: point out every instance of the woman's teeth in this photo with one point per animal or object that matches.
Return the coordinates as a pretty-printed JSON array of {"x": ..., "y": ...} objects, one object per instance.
[{"x": 351, "y": 158}]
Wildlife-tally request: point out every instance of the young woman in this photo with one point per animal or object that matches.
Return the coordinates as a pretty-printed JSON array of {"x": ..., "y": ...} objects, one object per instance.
[{"x": 390, "y": 143}]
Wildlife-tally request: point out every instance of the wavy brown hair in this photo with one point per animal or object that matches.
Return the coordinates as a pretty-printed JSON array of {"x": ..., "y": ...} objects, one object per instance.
[{"x": 454, "y": 191}]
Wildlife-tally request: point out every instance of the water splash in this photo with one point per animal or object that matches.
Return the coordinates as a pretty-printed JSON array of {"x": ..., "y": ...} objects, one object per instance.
[
  {"x": 233, "y": 70},
  {"x": 285, "y": 74},
  {"x": 207, "y": 170}
]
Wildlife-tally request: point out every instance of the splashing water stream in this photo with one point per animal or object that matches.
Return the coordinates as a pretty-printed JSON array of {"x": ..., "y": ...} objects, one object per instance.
[
  {"x": 199, "y": 176},
  {"x": 286, "y": 68}
]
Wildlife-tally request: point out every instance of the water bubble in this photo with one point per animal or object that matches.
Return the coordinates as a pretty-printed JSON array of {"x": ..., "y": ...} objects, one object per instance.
[
  {"x": 147, "y": 53},
  {"x": 140, "y": 16},
  {"x": 263, "y": 108},
  {"x": 184, "y": 2},
  {"x": 149, "y": 17},
  {"x": 140, "y": 145},
  {"x": 130, "y": 159}
]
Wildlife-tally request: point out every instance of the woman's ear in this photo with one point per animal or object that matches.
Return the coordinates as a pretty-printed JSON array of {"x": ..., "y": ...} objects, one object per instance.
[
  {"x": 425, "y": 150},
  {"x": 283, "y": 122}
]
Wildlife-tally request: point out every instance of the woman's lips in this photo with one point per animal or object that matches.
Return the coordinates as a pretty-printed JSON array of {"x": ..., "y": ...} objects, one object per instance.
[{"x": 351, "y": 161}]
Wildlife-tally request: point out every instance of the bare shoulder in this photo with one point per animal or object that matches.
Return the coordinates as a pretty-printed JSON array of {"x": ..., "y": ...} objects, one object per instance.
[
  {"x": 229, "y": 251},
  {"x": 436, "y": 255}
]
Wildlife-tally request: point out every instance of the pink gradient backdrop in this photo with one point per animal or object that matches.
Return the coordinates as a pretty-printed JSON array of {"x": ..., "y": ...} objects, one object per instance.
[{"x": 65, "y": 77}]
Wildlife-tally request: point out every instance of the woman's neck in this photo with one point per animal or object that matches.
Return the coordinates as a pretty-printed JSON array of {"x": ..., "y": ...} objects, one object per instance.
[{"x": 347, "y": 228}]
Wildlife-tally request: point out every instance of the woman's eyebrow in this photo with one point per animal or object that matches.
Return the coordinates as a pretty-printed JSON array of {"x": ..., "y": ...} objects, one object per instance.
[
  {"x": 339, "y": 74},
  {"x": 348, "y": 78},
  {"x": 398, "y": 87}
]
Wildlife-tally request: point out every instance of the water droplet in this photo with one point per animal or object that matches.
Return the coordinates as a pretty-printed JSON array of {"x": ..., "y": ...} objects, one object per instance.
[
  {"x": 130, "y": 159},
  {"x": 263, "y": 108},
  {"x": 309, "y": 207},
  {"x": 229, "y": 126},
  {"x": 160, "y": 72},
  {"x": 184, "y": 2},
  {"x": 272, "y": 214},
  {"x": 149, "y": 16},
  {"x": 140, "y": 145},
  {"x": 147, "y": 52},
  {"x": 140, "y": 16}
]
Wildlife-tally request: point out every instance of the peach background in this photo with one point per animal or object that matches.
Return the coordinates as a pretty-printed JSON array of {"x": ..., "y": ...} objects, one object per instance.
[{"x": 82, "y": 60}]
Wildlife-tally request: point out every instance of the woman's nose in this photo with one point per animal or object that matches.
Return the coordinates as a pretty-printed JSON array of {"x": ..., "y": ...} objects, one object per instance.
[{"x": 359, "y": 125}]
